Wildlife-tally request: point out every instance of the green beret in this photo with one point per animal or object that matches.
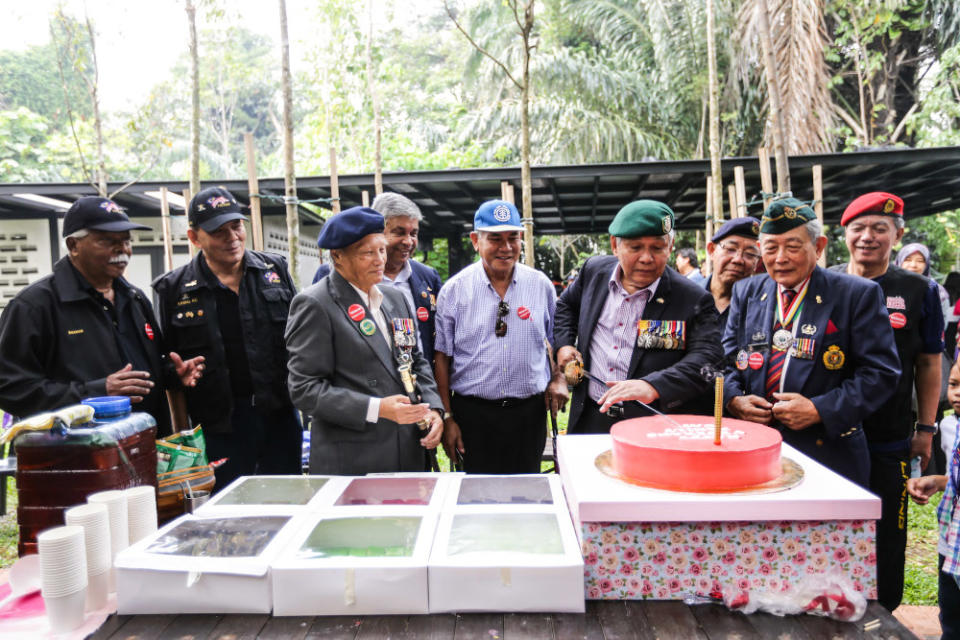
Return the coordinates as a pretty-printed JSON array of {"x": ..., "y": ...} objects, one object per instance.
[
  {"x": 785, "y": 214},
  {"x": 642, "y": 218}
]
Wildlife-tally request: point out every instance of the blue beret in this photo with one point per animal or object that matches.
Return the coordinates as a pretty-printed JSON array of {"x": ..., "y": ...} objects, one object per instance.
[
  {"x": 343, "y": 229},
  {"x": 746, "y": 226}
]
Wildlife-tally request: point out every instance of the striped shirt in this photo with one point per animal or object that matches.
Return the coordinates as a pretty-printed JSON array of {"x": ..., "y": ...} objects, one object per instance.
[
  {"x": 949, "y": 518},
  {"x": 483, "y": 365},
  {"x": 615, "y": 335}
]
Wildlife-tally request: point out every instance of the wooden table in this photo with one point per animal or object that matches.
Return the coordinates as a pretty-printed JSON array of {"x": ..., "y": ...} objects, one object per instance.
[{"x": 604, "y": 620}]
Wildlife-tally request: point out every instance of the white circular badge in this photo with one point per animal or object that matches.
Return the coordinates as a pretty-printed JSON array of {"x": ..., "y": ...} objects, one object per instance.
[{"x": 501, "y": 213}]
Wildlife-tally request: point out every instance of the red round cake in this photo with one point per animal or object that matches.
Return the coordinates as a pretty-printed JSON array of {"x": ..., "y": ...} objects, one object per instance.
[{"x": 656, "y": 452}]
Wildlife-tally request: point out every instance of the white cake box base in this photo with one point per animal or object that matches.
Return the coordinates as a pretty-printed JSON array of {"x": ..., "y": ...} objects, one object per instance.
[
  {"x": 506, "y": 543},
  {"x": 641, "y": 543},
  {"x": 163, "y": 573},
  {"x": 345, "y": 584}
]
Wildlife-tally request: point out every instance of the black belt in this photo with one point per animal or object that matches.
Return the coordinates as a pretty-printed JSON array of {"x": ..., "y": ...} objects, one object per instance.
[
  {"x": 897, "y": 446},
  {"x": 501, "y": 402}
]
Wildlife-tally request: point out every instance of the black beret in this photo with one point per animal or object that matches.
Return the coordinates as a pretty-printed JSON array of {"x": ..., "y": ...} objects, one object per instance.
[
  {"x": 746, "y": 226},
  {"x": 343, "y": 229}
]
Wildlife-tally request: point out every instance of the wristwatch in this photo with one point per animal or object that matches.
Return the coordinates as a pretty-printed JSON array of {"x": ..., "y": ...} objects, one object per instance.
[
  {"x": 926, "y": 428},
  {"x": 447, "y": 415}
]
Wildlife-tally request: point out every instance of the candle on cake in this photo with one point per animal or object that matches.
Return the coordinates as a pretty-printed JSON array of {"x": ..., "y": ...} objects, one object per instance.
[{"x": 717, "y": 408}]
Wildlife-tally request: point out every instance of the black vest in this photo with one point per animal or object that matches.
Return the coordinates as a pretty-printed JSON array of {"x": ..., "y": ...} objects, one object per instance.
[{"x": 903, "y": 294}]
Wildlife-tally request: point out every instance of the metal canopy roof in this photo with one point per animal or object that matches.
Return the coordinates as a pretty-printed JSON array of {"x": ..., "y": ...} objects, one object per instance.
[{"x": 578, "y": 198}]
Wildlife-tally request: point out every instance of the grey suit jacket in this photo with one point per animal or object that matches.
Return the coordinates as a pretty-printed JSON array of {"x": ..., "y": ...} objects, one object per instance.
[{"x": 334, "y": 369}]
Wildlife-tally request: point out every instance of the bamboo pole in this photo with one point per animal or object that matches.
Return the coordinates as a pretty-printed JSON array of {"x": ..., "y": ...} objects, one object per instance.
[
  {"x": 708, "y": 218},
  {"x": 165, "y": 227},
  {"x": 774, "y": 110},
  {"x": 741, "y": 185},
  {"x": 253, "y": 186},
  {"x": 289, "y": 172},
  {"x": 734, "y": 203},
  {"x": 375, "y": 100},
  {"x": 818, "y": 205},
  {"x": 187, "y": 196},
  {"x": 716, "y": 192},
  {"x": 766, "y": 180},
  {"x": 334, "y": 182},
  {"x": 194, "y": 100},
  {"x": 365, "y": 198},
  {"x": 506, "y": 192}
]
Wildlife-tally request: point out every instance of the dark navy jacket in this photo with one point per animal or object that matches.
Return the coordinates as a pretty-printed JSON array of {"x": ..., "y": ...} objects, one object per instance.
[
  {"x": 425, "y": 285},
  {"x": 838, "y": 311},
  {"x": 675, "y": 374}
]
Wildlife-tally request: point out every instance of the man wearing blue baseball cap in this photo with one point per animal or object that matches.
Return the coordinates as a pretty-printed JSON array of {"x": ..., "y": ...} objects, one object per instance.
[
  {"x": 355, "y": 364},
  {"x": 493, "y": 366},
  {"x": 84, "y": 331},
  {"x": 230, "y": 304}
]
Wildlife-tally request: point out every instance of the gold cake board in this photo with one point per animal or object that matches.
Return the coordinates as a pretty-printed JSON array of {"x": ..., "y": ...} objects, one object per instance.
[{"x": 791, "y": 474}]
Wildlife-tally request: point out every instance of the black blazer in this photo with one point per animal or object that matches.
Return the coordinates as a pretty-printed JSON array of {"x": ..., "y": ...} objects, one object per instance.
[{"x": 675, "y": 374}]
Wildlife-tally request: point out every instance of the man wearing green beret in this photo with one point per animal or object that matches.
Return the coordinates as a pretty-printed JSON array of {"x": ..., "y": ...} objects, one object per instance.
[
  {"x": 636, "y": 324},
  {"x": 810, "y": 351}
]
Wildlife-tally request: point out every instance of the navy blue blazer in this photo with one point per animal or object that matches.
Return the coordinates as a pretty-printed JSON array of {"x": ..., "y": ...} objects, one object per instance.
[
  {"x": 675, "y": 374},
  {"x": 843, "y": 315},
  {"x": 425, "y": 284}
]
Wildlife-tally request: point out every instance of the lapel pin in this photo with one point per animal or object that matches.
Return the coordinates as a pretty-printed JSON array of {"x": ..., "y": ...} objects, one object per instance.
[
  {"x": 819, "y": 300},
  {"x": 659, "y": 300},
  {"x": 763, "y": 297}
]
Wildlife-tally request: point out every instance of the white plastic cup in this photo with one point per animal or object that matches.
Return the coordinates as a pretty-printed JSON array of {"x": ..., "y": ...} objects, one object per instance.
[
  {"x": 141, "y": 512},
  {"x": 116, "y": 504},
  {"x": 66, "y": 612},
  {"x": 97, "y": 589},
  {"x": 63, "y": 561},
  {"x": 95, "y": 521}
]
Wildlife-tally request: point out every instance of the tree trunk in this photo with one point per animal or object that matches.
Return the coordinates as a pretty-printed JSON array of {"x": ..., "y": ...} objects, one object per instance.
[
  {"x": 374, "y": 99},
  {"x": 194, "y": 99},
  {"x": 289, "y": 177},
  {"x": 526, "y": 184},
  {"x": 716, "y": 194},
  {"x": 93, "y": 88},
  {"x": 775, "y": 114}
]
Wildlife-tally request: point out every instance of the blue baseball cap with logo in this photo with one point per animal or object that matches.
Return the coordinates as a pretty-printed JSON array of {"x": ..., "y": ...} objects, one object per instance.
[{"x": 497, "y": 215}]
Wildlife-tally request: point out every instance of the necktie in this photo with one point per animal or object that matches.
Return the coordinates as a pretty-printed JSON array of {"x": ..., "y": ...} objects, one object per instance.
[{"x": 778, "y": 357}]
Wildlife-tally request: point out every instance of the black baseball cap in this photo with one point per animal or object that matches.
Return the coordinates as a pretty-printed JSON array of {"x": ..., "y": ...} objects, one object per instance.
[
  {"x": 100, "y": 214},
  {"x": 213, "y": 207}
]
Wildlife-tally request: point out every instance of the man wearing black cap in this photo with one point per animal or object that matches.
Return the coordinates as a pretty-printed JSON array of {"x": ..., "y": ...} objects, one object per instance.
[
  {"x": 84, "y": 331},
  {"x": 230, "y": 305},
  {"x": 354, "y": 361},
  {"x": 733, "y": 255},
  {"x": 812, "y": 350}
]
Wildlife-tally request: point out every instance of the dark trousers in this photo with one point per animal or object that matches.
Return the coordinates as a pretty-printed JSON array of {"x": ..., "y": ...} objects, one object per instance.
[
  {"x": 261, "y": 443},
  {"x": 888, "y": 479},
  {"x": 503, "y": 436},
  {"x": 948, "y": 597},
  {"x": 591, "y": 420}
]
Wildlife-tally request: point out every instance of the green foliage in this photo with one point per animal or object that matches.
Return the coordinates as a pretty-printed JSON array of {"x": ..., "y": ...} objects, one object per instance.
[{"x": 30, "y": 79}]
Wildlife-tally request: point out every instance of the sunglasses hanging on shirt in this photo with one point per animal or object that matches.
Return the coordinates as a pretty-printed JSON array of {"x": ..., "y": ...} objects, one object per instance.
[{"x": 502, "y": 310}]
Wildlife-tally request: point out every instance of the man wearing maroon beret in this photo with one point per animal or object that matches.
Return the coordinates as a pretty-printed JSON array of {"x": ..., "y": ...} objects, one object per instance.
[{"x": 874, "y": 224}]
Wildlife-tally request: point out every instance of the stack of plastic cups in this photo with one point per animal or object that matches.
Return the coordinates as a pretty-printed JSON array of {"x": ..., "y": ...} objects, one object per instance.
[
  {"x": 116, "y": 504},
  {"x": 63, "y": 576},
  {"x": 141, "y": 512},
  {"x": 96, "y": 533}
]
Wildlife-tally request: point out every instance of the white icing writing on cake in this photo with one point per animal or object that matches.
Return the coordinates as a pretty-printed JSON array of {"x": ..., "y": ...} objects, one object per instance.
[{"x": 696, "y": 432}]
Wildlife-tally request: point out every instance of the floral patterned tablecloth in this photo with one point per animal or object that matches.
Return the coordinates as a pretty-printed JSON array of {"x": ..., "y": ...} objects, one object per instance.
[{"x": 676, "y": 560}]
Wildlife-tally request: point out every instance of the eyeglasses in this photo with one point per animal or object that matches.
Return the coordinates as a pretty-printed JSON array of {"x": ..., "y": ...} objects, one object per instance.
[
  {"x": 731, "y": 252},
  {"x": 502, "y": 310}
]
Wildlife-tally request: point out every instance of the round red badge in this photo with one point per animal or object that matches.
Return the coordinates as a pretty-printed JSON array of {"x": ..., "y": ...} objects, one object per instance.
[
  {"x": 523, "y": 313},
  {"x": 422, "y": 314},
  {"x": 898, "y": 320},
  {"x": 755, "y": 360},
  {"x": 356, "y": 312},
  {"x": 147, "y": 329}
]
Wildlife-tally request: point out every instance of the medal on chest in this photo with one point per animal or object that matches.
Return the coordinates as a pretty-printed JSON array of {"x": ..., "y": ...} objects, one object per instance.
[
  {"x": 662, "y": 334},
  {"x": 404, "y": 338},
  {"x": 782, "y": 339}
]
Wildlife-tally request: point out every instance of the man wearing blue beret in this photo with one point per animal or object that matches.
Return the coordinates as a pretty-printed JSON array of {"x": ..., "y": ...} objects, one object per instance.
[
  {"x": 635, "y": 323},
  {"x": 734, "y": 255},
  {"x": 354, "y": 361},
  {"x": 812, "y": 351}
]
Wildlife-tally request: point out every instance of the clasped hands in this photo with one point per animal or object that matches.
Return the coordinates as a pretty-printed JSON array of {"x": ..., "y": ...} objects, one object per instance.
[
  {"x": 792, "y": 410},
  {"x": 399, "y": 409}
]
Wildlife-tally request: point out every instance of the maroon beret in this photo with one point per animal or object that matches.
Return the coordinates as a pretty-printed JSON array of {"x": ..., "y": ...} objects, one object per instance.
[{"x": 877, "y": 203}]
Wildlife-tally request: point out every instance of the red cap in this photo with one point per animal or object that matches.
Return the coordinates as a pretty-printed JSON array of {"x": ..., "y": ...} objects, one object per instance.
[{"x": 877, "y": 203}]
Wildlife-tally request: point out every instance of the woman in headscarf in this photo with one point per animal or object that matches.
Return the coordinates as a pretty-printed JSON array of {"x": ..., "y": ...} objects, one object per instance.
[{"x": 915, "y": 257}]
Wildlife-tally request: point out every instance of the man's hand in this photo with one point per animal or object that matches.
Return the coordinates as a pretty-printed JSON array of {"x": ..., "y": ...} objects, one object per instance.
[
  {"x": 921, "y": 445},
  {"x": 398, "y": 409},
  {"x": 627, "y": 390},
  {"x": 920, "y": 489},
  {"x": 432, "y": 439},
  {"x": 452, "y": 440},
  {"x": 127, "y": 382},
  {"x": 795, "y": 411},
  {"x": 189, "y": 371},
  {"x": 556, "y": 396},
  {"x": 567, "y": 354},
  {"x": 752, "y": 408}
]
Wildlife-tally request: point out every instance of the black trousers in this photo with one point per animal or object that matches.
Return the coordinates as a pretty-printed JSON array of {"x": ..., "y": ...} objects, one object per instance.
[
  {"x": 948, "y": 597},
  {"x": 888, "y": 479},
  {"x": 262, "y": 443},
  {"x": 502, "y": 436},
  {"x": 591, "y": 420}
]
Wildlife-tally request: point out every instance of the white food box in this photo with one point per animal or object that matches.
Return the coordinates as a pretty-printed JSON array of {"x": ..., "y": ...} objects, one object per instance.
[
  {"x": 342, "y": 581},
  {"x": 188, "y": 566},
  {"x": 275, "y": 495},
  {"x": 386, "y": 492},
  {"x": 506, "y": 543}
]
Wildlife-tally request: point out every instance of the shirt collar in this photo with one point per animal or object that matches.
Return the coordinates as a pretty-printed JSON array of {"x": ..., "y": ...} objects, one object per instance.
[
  {"x": 616, "y": 284},
  {"x": 403, "y": 276},
  {"x": 373, "y": 300}
]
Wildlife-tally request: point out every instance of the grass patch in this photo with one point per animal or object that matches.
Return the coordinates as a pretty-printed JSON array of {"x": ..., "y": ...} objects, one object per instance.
[
  {"x": 920, "y": 573},
  {"x": 8, "y": 527}
]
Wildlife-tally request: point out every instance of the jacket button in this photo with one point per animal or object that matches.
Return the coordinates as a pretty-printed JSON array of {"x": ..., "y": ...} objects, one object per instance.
[
  {"x": 372, "y": 382},
  {"x": 819, "y": 442}
]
